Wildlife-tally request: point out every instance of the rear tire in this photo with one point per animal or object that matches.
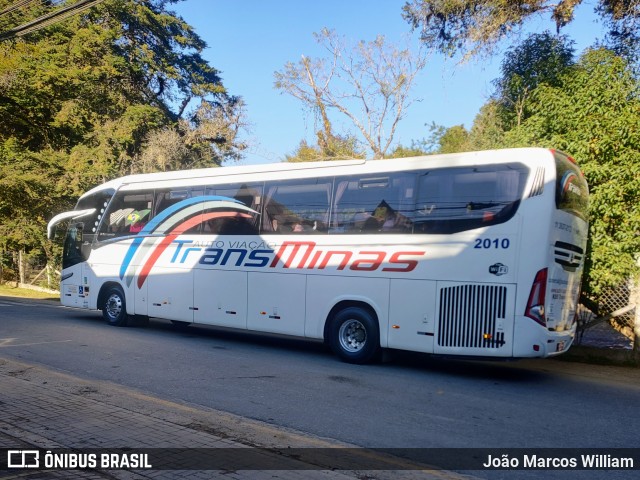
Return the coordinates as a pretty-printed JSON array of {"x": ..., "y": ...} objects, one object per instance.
[
  {"x": 114, "y": 310},
  {"x": 355, "y": 336}
]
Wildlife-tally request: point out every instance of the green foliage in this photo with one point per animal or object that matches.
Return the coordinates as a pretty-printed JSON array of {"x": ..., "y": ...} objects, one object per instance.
[
  {"x": 454, "y": 139},
  {"x": 440, "y": 140},
  {"x": 594, "y": 115},
  {"x": 488, "y": 130},
  {"x": 477, "y": 26},
  {"x": 539, "y": 59},
  {"x": 417, "y": 149},
  {"x": 82, "y": 100},
  {"x": 334, "y": 148},
  {"x": 30, "y": 185}
]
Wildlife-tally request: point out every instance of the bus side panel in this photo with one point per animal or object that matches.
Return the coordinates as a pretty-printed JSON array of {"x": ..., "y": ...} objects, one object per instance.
[
  {"x": 170, "y": 292},
  {"x": 220, "y": 297},
  {"x": 325, "y": 291},
  {"x": 412, "y": 320},
  {"x": 140, "y": 297},
  {"x": 276, "y": 303}
]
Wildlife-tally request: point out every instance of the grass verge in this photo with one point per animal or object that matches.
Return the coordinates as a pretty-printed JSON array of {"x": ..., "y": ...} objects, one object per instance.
[{"x": 10, "y": 290}]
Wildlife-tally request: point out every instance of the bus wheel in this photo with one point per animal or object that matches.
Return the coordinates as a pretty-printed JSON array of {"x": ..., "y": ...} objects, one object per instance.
[
  {"x": 354, "y": 335},
  {"x": 114, "y": 310}
]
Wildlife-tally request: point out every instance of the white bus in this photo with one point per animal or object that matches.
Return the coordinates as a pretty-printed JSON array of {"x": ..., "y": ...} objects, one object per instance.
[{"x": 475, "y": 254}]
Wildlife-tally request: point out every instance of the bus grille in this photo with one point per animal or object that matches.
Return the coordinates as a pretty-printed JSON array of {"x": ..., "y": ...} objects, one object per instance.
[{"x": 468, "y": 315}]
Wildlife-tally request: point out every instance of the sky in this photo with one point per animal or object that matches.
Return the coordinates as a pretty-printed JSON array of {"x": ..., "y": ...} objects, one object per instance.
[{"x": 249, "y": 40}]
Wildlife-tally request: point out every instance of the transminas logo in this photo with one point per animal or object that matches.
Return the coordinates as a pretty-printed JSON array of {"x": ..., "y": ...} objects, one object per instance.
[
  {"x": 169, "y": 224},
  {"x": 286, "y": 254}
]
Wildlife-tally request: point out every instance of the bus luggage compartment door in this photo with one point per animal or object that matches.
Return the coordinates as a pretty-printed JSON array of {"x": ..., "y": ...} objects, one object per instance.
[
  {"x": 412, "y": 315},
  {"x": 170, "y": 293},
  {"x": 475, "y": 319},
  {"x": 277, "y": 303},
  {"x": 220, "y": 298}
]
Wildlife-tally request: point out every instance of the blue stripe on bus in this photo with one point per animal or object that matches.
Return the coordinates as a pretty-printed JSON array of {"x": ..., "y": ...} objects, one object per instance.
[{"x": 156, "y": 221}]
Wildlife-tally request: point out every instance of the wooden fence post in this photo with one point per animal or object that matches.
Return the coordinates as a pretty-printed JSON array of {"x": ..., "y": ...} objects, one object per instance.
[
  {"x": 21, "y": 269},
  {"x": 634, "y": 299}
]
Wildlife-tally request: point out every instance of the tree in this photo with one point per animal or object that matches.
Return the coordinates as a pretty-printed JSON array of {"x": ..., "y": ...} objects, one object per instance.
[
  {"x": 488, "y": 129},
  {"x": 31, "y": 185},
  {"x": 540, "y": 58},
  {"x": 416, "y": 149},
  {"x": 103, "y": 80},
  {"x": 440, "y": 140},
  {"x": 477, "y": 26},
  {"x": 623, "y": 20},
  {"x": 81, "y": 101},
  {"x": 594, "y": 115},
  {"x": 454, "y": 139},
  {"x": 370, "y": 84},
  {"x": 335, "y": 148}
]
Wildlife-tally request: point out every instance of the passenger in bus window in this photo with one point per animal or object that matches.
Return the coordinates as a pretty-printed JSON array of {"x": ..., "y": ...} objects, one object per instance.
[
  {"x": 137, "y": 219},
  {"x": 389, "y": 221}
]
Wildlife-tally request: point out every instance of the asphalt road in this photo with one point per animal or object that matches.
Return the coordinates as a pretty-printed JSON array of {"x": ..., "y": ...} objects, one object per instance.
[{"x": 407, "y": 401}]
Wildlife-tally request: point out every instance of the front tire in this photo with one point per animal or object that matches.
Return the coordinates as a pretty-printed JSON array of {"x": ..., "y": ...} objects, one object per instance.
[
  {"x": 114, "y": 310},
  {"x": 355, "y": 336}
]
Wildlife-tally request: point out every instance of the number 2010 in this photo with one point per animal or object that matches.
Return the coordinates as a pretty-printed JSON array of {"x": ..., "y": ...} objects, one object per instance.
[{"x": 486, "y": 243}]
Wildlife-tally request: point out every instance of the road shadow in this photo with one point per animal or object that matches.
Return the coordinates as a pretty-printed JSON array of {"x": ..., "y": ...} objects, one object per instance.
[
  {"x": 222, "y": 338},
  {"x": 510, "y": 370},
  {"x": 234, "y": 336},
  {"x": 225, "y": 338}
]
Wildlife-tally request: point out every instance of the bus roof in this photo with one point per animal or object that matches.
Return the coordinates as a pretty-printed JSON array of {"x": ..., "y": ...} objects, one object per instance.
[{"x": 304, "y": 169}]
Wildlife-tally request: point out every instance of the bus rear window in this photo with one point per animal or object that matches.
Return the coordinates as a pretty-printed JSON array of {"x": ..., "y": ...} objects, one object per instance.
[{"x": 572, "y": 193}]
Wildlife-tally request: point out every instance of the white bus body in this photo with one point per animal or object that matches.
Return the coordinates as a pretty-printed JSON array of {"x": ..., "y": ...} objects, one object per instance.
[{"x": 475, "y": 254}]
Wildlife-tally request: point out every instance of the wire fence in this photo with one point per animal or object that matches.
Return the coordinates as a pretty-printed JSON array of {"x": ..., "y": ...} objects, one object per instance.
[
  {"x": 615, "y": 306},
  {"x": 28, "y": 270}
]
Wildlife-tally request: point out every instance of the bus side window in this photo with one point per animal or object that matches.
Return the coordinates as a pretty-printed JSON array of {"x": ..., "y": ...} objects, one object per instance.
[
  {"x": 297, "y": 207},
  {"x": 235, "y": 223},
  {"x": 458, "y": 199},
  {"x": 127, "y": 214},
  {"x": 166, "y": 198},
  {"x": 374, "y": 204}
]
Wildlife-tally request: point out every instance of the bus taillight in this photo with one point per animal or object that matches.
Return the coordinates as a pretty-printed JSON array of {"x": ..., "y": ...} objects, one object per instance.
[{"x": 535, "y": 305}]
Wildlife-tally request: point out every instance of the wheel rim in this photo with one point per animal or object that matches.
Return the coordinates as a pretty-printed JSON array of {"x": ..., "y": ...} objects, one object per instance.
[
  {"x": 114, "y": 306},
  {"x": 352, "y": 335}
]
